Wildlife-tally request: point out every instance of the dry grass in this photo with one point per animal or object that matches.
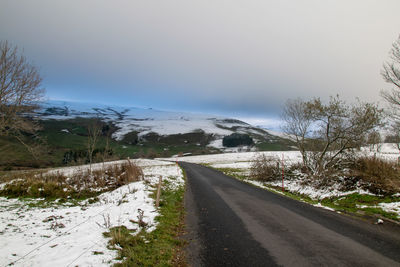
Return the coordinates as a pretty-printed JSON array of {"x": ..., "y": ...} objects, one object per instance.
[
  {"x": 81, "y": 185},
  {"x": 377, "y": 175},
  {"x": 265, "y": 168}
]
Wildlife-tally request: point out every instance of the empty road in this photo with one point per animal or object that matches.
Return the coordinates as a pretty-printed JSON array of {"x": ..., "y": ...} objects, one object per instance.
[{"x": 230, "y": 223}]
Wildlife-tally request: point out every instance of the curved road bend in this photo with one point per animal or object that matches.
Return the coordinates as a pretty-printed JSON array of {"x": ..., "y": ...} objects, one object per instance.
[{"x": 230, "y": 223}]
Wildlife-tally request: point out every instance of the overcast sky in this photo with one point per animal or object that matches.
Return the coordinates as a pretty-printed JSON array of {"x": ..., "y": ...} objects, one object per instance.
[{"x": 237, "y": 58}]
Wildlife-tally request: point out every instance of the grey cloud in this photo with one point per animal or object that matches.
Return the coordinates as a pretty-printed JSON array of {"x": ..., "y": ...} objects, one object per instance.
[{"x": 244, "y": 56}]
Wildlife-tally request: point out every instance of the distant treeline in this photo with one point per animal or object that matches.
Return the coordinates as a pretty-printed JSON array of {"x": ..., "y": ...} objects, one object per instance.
[
  {"x": 82, "y": 156},
  {"x": 236, "y": 139}
]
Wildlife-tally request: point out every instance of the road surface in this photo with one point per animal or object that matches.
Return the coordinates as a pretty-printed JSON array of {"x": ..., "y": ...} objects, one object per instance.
[{"x": 230, "y": 223}]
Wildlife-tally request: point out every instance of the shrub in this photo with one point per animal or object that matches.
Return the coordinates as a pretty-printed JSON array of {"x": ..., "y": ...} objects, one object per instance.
[
  {"x": 82, "y": 184},
  {"x": 131, "y": 173},
  {"x": 265, "y": 168},
  {"x": 377, "y": 175},
  {"x": 151, "y": 154},
  {"x": 131, "y": 138}
]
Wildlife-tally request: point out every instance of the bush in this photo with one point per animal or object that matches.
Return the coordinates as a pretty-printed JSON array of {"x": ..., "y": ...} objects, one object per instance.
[
  {"x": 236, "y": 139},
  {"x": 377, "y": 175},
  {"x": 83, "y": 184},
  {"x": 132, "y": 173},
  {"x": 131, "y": 138},
  {"x": 265, "y": 168}
]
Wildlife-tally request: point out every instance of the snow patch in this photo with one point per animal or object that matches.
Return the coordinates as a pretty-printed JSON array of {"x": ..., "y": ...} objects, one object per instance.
[
  {"x": 73, "y": 235},
  {"x": 391, "y": 207}
]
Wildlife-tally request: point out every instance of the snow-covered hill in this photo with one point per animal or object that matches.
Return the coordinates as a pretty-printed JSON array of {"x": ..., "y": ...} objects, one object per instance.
[{"x": 163, "y": 123}]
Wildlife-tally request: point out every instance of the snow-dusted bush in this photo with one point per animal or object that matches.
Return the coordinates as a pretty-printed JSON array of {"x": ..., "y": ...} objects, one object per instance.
[
  {"x": 264, "y": 168},
  {"x": 80, "y": 184}
]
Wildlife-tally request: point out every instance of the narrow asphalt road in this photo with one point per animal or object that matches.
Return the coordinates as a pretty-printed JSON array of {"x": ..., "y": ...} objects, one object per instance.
[{"x": 230, "y": 223}]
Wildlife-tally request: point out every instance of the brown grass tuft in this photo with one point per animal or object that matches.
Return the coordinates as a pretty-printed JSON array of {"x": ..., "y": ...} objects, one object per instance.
[
  {"x": 377, "y": 175},
  {"x": 80, "y": 185},
  {"x": 265, "y": 168}
]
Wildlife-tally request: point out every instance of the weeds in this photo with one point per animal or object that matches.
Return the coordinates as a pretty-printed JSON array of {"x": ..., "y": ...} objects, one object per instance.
[
  {"x": 377, "y": 175},
  {"x": 106, "y": 222},
  {"x": 265, "y": 168},
  {"x": 80, "y": 185}
]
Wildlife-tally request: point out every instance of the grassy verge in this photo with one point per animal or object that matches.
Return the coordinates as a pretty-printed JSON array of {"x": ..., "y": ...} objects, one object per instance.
[
  {"x": 235, "y": 172},
  {"x": 362, "y": 204},
  {"x": 354, "y": 204},
  {"x": 161, "y": 247}
]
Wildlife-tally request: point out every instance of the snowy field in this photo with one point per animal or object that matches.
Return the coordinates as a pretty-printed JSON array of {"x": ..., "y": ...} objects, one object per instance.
[
  {"x": 66, "y": 235},
  {"x": 242, "y": 163}
]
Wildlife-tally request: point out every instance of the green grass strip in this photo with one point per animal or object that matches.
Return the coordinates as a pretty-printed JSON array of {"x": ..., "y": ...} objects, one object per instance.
[{"x": 161, "y": 247}]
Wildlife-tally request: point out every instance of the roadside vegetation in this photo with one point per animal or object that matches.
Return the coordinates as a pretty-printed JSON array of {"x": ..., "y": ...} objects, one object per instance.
[
  {"x": 364, "y": 189},
  {"x": 161, "y": 247},
  {"x": 329, "y": 136},
  {"x": 82, "y": 184}
]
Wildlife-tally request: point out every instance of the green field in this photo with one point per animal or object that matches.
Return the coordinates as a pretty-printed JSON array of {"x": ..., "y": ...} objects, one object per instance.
[{"x": 61, "y": 136}]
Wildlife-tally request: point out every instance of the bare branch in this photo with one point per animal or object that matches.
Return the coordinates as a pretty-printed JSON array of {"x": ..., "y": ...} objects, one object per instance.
[
  {"x": 337, "y": 129},
  {"x": 20, "y": 89}
]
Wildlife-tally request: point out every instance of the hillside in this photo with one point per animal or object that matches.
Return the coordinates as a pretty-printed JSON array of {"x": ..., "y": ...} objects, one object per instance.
[{"x": 133, "y": 132}]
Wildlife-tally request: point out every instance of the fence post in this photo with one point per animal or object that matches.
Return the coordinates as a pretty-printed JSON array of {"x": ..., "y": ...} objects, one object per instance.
[{"x": 158, "y": 191}]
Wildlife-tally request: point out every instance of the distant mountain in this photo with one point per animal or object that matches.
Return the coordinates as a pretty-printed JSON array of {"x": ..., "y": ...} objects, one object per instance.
[
  {"x": 127, "y": 132},
  {"x": 151, "y": 124}
]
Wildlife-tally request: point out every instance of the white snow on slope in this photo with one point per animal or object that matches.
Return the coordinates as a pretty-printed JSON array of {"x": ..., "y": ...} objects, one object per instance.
[
  {"x": 144, "y": 121},
  {"x": 139, "y": 119},
  {"x": 74, "y": 237}
]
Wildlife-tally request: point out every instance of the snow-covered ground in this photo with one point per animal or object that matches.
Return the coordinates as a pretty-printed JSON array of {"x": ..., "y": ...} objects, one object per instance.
[{"x": 63, "y": 235}]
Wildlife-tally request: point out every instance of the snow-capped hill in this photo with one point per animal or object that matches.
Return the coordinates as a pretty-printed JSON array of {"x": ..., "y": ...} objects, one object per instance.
[{"x": 150, "y": 121}]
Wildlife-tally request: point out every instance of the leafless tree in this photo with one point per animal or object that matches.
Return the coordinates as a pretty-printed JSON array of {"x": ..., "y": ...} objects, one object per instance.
[
  {"x": 20, "y": 89},
  {"x": 298, "y": 120},
  {"x": 94, "y": 131},
  {"x": 326, "y": 134},
  {"x": 106, "y": 152},
  {"x": 394, "y": 135},
  {"x": 374, "y": 141},
  {"x": 391, "y": 74}
]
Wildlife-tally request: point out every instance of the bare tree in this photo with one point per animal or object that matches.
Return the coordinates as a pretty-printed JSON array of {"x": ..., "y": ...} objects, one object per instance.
[
  {"x": 394, "y": 135},
  {"x": 374, "y": 141},
  {"x": 107, "y": 131},
  {"x": 326, "y": 134},
  {"x": 20, "y": 89},
  {"x": 94, "y": 131},
  {"x": 298, "y": 120},
  {"x": 391, "y": 74}
]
